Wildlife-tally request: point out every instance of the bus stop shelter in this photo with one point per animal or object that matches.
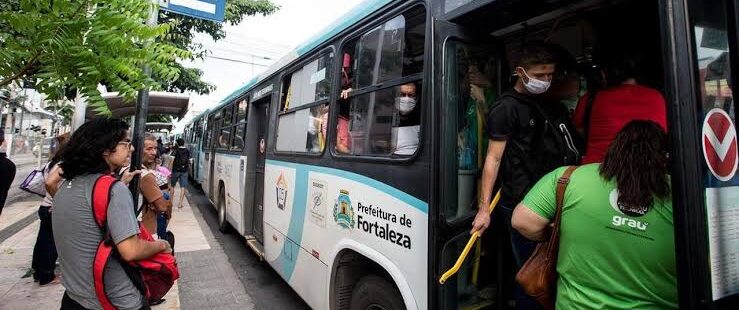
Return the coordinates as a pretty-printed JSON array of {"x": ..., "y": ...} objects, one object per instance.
[{"x": 164, "y": 103}]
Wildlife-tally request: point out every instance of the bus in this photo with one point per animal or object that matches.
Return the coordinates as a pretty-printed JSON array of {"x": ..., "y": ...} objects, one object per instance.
[
  {"x": 361, "y": 199},
  {"x": 193, "y": 136}
]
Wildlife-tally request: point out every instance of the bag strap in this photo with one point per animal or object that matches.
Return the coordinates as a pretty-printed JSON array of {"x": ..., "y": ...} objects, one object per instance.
[
  {"x": 562, "y": 183},
  {"x": 100, "y": 200}
]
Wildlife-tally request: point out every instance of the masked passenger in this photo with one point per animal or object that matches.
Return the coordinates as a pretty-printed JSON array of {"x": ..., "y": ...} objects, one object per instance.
[{"x": 405, "y": 135}]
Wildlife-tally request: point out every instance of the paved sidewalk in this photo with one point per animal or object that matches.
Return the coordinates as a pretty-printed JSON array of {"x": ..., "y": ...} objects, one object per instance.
[{"x": 19, "y": 291}]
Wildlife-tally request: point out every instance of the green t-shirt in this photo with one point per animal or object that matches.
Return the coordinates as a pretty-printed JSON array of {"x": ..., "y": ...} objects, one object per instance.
[{"x": 608, "y": 260}]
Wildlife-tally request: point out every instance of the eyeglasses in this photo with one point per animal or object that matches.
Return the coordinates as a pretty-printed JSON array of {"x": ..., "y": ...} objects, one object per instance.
[{"x": 126, "y": 143}]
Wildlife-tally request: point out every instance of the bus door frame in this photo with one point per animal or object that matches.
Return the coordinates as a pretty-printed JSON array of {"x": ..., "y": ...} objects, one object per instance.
[
  {"x": 684, "y": 110},
  {"x": 256, "y": 162},
  {"x": 444, "y": 31}
]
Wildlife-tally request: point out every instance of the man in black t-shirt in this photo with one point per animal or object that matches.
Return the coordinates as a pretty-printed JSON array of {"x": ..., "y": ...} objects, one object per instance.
[
  {"x": 513, "y": 125},
  {"x": 180, "y": 167}
]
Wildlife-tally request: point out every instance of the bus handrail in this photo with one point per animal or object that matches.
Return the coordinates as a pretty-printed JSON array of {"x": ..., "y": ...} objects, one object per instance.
[{"x": 449, "y": 273}]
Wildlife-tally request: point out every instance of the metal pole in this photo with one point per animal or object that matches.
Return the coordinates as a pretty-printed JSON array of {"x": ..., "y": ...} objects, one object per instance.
[
  {"x": 142, "y": 111},
  {"x": 40, "y": 144}
]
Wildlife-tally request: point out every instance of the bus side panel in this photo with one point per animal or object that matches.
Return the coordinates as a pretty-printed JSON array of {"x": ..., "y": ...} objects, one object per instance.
[
  {"x": 229, "y": 170},
  {"x": 316, "y": 207},
  {"x": 283, "y": 255}
]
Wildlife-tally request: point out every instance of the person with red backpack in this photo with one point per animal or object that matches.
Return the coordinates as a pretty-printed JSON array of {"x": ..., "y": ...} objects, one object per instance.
[{"x": 94, "y": 214}]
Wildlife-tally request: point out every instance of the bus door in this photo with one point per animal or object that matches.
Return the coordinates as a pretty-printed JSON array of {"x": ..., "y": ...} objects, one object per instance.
[
  {"x": 260, "y": 141},
  {"x": 466, "y": 77}
]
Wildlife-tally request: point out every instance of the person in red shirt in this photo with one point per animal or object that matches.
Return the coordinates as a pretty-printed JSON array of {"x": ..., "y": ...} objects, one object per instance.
[{"x": 615, "y": 106}]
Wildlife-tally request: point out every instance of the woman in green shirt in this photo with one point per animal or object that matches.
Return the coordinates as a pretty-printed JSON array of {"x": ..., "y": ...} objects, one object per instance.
[{"x": 617, "y": 248}]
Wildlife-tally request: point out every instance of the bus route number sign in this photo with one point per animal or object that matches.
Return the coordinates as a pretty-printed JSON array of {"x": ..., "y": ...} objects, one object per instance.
[{"x": 720, "y": 145}]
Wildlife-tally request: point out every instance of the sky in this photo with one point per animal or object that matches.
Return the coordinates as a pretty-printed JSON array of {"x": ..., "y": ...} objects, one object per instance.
[{"x": 250, "y": 47}]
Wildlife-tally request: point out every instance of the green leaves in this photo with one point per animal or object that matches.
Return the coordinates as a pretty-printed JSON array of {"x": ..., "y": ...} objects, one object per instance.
[{"x": 79, "y": 44}]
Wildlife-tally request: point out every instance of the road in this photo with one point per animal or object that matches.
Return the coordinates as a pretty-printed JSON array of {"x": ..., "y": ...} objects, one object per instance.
[{"x": 265, "y": 287}]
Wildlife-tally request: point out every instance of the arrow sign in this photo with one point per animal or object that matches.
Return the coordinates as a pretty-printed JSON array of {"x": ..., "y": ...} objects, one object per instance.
[
  {"x": 213, "y": 10},
  {"x": 720, "y": 144}
]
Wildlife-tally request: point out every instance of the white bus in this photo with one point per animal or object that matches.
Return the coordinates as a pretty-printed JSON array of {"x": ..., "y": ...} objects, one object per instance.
[{"x": 355, "y": 212}]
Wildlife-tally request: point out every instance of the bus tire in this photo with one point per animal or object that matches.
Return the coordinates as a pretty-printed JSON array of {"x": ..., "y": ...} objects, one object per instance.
[
  {"x": 374, "y": 292},
  {"x": 222, "y": 222}
]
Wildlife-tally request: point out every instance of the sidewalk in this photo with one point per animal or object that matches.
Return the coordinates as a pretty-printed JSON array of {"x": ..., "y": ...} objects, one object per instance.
[{"x": 19, "y": 291}]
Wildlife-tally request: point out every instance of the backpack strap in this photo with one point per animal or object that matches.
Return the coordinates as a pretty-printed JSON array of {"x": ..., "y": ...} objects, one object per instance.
[{"x": 100, "y": 200}]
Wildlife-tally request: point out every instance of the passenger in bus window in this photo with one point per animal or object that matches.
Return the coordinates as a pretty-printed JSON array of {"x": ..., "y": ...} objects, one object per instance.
[
  {"x": 317, "y": 128},
  {"x": 405, "y": 134},
  {"x": 617, "y": 245},
  {"x": 612, "y": 108},
  {"x": 346, "y": 79},
  {"x": 514, "y": 125},
  {"x": 343, "y": 139}
]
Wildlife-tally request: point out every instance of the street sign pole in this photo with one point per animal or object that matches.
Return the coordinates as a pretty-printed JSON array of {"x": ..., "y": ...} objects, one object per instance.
[{"x": 142, "y": 111}]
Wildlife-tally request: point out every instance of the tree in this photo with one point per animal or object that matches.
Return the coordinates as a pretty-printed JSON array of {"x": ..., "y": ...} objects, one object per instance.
[
  {"x": 182, "y": 35},
  {"x": 77, "y": 44}
]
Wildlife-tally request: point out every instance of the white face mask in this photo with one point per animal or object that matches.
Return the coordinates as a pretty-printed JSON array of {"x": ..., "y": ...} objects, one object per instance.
[
  {"x": 535, "y": 86},
  {"x": 405, "y": 104}
]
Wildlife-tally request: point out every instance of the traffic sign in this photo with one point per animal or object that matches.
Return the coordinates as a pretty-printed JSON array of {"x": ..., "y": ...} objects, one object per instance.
[
  {"x": 204, "y": 9},
  {"x": 720, "y": 144}
]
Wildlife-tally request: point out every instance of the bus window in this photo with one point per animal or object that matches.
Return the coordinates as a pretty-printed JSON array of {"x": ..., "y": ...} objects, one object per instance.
[
  {"x": 386, "y": 121},
  {"x": 224, "y": 138},
  {"x": 238, "y": 141},
  {"x": 241, "y": 111},
  {"x": 228, "y": 115},
  {"x": 301, "y": 124},
  {"x": 391, "y": 50}
]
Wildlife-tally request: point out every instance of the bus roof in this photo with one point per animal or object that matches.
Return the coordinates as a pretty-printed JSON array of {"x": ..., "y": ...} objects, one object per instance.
[{"x": 362, "y": 10}]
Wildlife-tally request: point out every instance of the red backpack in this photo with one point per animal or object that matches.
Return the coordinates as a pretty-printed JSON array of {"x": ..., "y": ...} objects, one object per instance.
[{"x": 153, "y": 276}]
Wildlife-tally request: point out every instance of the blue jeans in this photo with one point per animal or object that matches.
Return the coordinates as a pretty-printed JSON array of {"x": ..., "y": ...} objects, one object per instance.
[
  {"x": 522, "y": 250},
  {"x": 179, "y": 177}
]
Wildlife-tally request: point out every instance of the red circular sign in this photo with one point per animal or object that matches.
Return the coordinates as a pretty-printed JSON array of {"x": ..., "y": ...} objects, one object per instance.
[{"x": 720, "y": 145}]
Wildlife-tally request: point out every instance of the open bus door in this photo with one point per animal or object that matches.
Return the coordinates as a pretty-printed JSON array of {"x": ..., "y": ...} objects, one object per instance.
[
  {"x": 257, "y": 146},
  {"x": 466, "y": 87},
  {"x": 701, "y": 55}
]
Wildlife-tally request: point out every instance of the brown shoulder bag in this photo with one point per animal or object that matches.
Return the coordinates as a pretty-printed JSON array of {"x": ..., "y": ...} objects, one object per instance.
[{"x": 538, "y": 276}]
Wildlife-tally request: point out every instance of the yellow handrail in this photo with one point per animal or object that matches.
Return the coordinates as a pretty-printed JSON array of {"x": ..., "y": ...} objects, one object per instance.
[{"x": 449, "y": 273}]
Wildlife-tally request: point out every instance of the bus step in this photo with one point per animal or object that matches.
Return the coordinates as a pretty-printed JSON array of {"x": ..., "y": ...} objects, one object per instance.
[{"x": 255, "y": 246}]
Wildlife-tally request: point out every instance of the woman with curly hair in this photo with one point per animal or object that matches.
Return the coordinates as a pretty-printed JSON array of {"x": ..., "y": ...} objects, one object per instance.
[
  {"x": 617, "y": 246},
  {"x": 98, "y": 147}
]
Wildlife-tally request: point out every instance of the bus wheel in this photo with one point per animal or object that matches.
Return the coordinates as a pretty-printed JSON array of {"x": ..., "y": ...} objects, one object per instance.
[
  {"x": 222, "y": 223},
  {"x": 376, "y": 293}
]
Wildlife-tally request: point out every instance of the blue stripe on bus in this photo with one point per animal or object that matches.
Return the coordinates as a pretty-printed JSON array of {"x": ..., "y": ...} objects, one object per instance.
[
  {"x": 297, "y": 219},
  {"x": 392, "y": 191}
]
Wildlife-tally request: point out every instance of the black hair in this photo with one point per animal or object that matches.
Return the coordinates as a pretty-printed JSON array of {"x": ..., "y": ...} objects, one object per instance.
[
  {"x": 180, "y": 142},
  {"x": 621, "y": 69},
  {"x": 535, "y": 54},
  {"x": 637, "y": 160},
  {"x": 2, "y": 136},
  {"x": 83, "y": 153}
]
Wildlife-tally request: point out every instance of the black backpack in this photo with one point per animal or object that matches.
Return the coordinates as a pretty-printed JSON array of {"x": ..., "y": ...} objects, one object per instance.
[
  {"x": 556, "y": 144},
  {"x": 181, "y": 159}
]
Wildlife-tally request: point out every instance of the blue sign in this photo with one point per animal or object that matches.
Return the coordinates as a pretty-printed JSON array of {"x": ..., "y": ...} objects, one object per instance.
[{"x": 204, "y": 9}]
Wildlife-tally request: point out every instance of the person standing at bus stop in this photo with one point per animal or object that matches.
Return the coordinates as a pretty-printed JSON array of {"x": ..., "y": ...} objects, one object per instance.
[
  {"x": 7, "y": 172},
  {"x": 512, "y": 128},
  {"x": 179, "y": 169}
]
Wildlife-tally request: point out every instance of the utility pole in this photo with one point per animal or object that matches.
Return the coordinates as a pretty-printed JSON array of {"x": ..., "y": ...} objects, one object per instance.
[{"x": 142, "y": 111}]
